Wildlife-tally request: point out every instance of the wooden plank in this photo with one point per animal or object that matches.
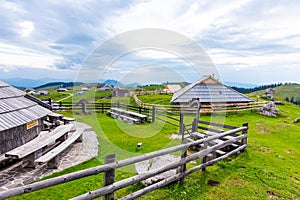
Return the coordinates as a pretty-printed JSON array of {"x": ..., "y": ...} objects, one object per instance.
[
  {"x": 118, "y": 110},
  {"x": 218, "y": 125},
  {"x": 39, "y": 142},
  {"x": 60, "y": 148},
  {"x": 197, "y": 134}
]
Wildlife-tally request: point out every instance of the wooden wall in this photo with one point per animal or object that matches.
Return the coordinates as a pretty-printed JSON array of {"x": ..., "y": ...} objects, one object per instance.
[{"x": 12, "y": 138}]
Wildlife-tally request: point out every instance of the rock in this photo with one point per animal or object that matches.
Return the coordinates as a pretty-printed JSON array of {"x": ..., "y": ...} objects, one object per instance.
[
  {"x": 269, "y": 109},
  {"x": 269, "y": 94},
  {"x": 296, "y": 120},
  {"x": 155, "y": 164}
]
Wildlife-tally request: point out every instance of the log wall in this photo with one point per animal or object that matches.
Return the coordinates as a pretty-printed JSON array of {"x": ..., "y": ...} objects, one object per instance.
[{"x": 14, "y": 137}]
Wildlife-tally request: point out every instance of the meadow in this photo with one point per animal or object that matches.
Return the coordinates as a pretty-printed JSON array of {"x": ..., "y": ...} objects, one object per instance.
[{"x": 268, "y": 169}]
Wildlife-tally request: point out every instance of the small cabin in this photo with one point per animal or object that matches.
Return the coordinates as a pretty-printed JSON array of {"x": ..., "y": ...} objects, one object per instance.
[
  {"x": 21, "y": 119},
  {"x": 62, "y": 90},
  {"x": 105, "y": 88},
  {"x": 42, "y": 93},
  {"x": 171, "y": 89}
]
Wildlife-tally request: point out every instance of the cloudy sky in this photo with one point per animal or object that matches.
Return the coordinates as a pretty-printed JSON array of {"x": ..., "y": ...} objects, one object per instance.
[{"x": 250, "y": 41}]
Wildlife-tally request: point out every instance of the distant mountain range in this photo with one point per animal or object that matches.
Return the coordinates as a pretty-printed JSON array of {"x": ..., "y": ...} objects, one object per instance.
[
  {"x": 31, "y": 83},
  {"x": 241, "y": 85}
]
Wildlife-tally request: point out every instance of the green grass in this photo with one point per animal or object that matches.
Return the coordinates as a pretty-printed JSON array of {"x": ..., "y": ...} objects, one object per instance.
[
  {"x": 269, "y": 166},
  {"x": 162, "y": 99}
]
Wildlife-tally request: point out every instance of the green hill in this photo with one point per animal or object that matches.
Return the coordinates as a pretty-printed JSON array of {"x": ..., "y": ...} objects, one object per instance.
[{"x": 291, "y": 90}]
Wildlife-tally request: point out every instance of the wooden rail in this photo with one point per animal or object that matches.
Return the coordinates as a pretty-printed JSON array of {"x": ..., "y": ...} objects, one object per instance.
[{"x": 109, "y": 189}]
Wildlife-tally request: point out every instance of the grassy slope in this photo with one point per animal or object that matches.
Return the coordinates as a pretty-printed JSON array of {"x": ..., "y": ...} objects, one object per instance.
[
  {"x": 268, "y": 167},
  {"x": 287, "y": 90}
]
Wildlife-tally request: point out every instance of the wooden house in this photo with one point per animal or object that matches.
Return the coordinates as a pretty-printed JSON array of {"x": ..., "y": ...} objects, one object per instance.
[
  {"x": 20, "y": 118},
  {"x": 209, "y": 91},
  {"x": 105, "y": 88},
  {"x": 171, "y": 89},
  {"x": 62, "y": 90}
]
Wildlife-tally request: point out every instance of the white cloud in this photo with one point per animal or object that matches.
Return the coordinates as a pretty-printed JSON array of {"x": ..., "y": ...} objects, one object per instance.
[
  {"x": 26, "y": 28},
  {"x": 14, "y": 56}
]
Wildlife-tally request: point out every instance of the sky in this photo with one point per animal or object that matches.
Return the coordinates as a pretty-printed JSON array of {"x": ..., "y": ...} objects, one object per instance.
[{"x": 249, "y": 41}]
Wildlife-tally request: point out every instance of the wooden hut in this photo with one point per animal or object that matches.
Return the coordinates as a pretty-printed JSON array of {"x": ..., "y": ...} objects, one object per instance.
[
  {"x": 20, "y": 118},
  {"x": 171, "y": 89},
  {"x": 209, "y": 91}
]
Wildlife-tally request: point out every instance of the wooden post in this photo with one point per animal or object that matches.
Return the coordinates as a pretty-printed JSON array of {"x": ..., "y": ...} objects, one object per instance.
[
  {"x": 205, "y": 145},
  {"x": 244, "y": 141},
  {"x": 140, "y": 109},
  {"x": 109, "y": 176},
  {"x": 195, "y": 125},
  {"x": 153, "y": 113},
  {"x": 102, "y": 107},
  {"x": 184, "y": 151}
]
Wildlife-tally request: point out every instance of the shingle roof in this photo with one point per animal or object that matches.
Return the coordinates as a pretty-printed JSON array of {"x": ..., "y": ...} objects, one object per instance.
[
  {"x": 173, "y": 88},
  {"x": 209, "y": 90},
  {"x": 15, "y": 109}
]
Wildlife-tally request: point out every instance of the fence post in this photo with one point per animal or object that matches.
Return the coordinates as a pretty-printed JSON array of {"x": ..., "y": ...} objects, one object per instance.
[
  {"x": 184, "y": 151},
  {"x": 244, "y": 141},
  {"x": 102, "y": 107},
  {"x": 153, "y": 113},
  {"x": 140, "y": 109},
  {"x": 204, "y": 157},
  {"x": 195, "y": 125},
  {"x": 109, "y": 176}
]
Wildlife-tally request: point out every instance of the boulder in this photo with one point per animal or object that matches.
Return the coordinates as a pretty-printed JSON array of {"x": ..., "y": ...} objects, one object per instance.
[
  {"x": 155, "y": 164},
  {"x": 296, "y": 120},
  {"x": 269, "y": 109}
]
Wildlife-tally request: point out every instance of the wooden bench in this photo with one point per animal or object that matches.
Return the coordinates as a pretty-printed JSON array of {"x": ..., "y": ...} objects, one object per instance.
[
  {"x": 51, "y": 158},
  {"x": 33, "y": 149},
  {"x": 128, "y": 119},
  {"x": 128, "y": 116}
]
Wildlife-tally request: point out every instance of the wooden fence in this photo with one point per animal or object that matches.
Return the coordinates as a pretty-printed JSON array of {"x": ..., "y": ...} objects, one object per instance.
[{"x": 111, "y": 164}]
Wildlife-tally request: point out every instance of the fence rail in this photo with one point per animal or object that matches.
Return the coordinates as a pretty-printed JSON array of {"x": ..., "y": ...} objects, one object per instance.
[{"x": 110, "y": 186}]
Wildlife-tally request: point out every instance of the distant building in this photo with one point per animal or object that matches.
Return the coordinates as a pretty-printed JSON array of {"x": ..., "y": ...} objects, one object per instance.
[
  {"x": 20, "y": 117},
  {"x": 80, "y": 92},
  {"x": 62, "y": 90},
  {"x": 105, "y": 88},
  {"x": 118, "y": 92},
  {"x": 172, "y": 88},
  {"x": 84, "y": 89},
  {"x": 42, "y": 93},
  {"x": 208, "y": 91},
  {"x": 28, "y": 90}
]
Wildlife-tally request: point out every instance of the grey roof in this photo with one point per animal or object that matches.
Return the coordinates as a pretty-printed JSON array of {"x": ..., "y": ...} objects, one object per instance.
[
  {"x": 209, "y": 90},
  {"x": 15, "y": 109}
]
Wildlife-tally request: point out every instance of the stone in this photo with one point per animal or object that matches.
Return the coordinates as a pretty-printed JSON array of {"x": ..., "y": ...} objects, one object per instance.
[
  {"x": 269, "y": 109},
  {"x": 155, "y": 164},
  {"x": 296, "y": 120}
]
